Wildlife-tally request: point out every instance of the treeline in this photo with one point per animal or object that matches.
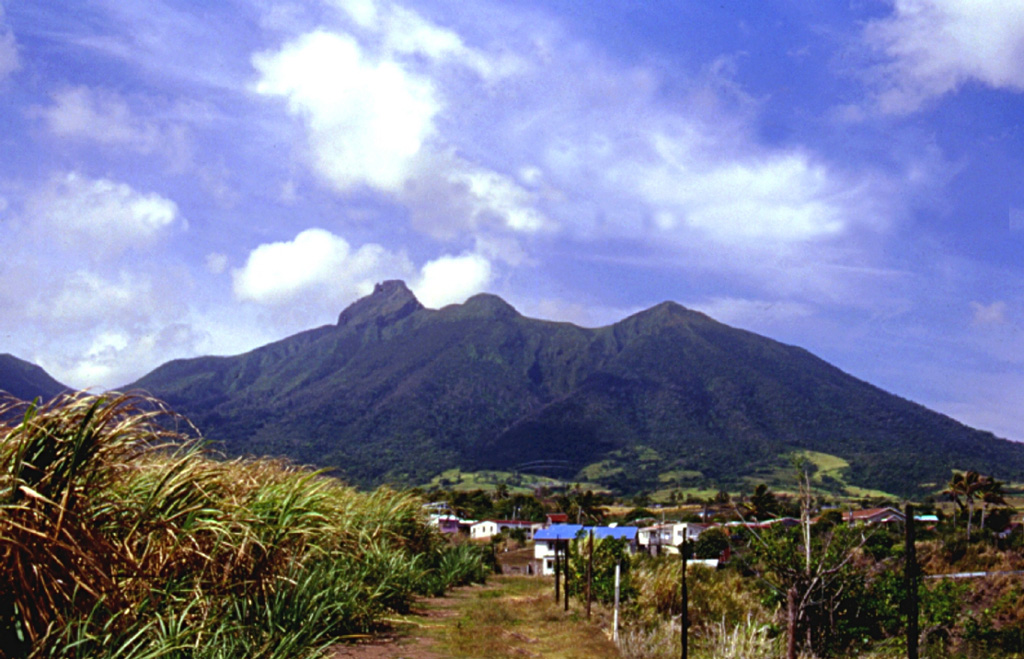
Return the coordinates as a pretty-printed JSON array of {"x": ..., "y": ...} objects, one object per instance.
[{"x": 121, "y": 536}]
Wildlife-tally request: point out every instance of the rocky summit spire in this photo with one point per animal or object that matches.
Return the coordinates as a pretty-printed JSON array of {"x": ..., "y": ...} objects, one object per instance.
[{"x": 390, "y": 302}]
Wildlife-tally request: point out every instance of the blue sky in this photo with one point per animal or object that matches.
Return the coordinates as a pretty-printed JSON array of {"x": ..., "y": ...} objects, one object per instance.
[{"x": 184, "y": 178}]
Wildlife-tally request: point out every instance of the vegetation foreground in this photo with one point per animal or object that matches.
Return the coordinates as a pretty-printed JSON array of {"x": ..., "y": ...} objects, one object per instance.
[{"x": 121, "y": 536}]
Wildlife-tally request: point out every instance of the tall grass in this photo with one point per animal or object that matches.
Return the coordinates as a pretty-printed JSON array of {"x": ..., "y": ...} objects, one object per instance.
[
  {"x": 121, "y": 536},
  {"x": 727, "y": 618}
]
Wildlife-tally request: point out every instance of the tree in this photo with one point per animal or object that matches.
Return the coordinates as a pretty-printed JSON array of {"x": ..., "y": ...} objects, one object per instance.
[
  {"x": 607, "y": 553},
  {"x": 583, "y": 507},
  {"x": 763, "y": 504},
  {"x": 711, "y": 543},
  {"x": 964, "y": 488},
  {"x": 812, "y": 567},
  {"x": 991, "y": 494}
]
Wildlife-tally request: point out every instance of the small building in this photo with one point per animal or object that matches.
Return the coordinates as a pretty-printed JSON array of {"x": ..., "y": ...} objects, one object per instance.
[
  {"x": 556, "y": 518},
  {"x": 545, "y": 539},
  {"x": 445, "y": 523},
  {"x": 490, "y": 527},
  {"x": 451, "y": 524},
  {"x": 874, "y": 516},
  {"x": 662, "y": 538}
]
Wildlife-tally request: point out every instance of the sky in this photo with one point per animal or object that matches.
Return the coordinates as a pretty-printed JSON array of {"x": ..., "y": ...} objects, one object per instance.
[{"x": 183, "y": 178}]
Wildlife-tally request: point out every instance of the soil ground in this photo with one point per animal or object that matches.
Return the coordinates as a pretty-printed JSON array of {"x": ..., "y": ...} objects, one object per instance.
[{"x": 511, "y": 616}]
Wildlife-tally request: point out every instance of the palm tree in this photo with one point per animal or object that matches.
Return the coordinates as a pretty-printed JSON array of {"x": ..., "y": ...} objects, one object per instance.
[
  {"x": 966, "y": 486},
  {"x": 991, "y": 493}
]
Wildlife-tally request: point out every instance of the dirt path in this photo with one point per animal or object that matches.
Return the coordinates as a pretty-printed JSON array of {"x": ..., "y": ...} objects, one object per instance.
[
  {"x": 509, "y": 617},
  {"x": 413, "y": 636}
]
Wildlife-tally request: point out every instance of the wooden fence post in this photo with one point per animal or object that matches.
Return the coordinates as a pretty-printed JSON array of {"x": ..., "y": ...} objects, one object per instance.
[
  {"x": 615, "y": 624},
  {"x": 590, "y": 568},
  {"x": 557, "y": 571},
  {"x": 565, "y": 583}
]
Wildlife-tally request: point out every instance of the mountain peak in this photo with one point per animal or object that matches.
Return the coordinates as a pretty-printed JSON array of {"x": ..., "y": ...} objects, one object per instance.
[
  {"x": 390, "y": 302},
  {"x": 489, "y": 306}
]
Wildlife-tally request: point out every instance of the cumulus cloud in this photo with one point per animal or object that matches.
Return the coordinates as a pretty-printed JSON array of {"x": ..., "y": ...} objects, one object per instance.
[
  {"x": 367, "y": 120},
  {"x": 935, "y": 46},
  {"x": 371, "y": 108},
  {"x": 452, "y": 279},
  {"x": 499, "y": 151},
  {"x": 8, "y": 48},
  {"x": 316, "y": 268},
  {"x": 98, "y": 217},
  {"x": 319, "y": 271}
]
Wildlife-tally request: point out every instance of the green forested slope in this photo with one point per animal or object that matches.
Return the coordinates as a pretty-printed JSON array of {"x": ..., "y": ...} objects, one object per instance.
[{"x": 397, "y": 392}]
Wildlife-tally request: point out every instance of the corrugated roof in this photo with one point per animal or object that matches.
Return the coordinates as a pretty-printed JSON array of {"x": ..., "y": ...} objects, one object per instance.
[{"x": 570, "y": 531}]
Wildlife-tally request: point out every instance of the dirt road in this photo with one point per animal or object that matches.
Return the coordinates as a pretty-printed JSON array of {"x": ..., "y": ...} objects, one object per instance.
[{"x": 509, "y": 617}]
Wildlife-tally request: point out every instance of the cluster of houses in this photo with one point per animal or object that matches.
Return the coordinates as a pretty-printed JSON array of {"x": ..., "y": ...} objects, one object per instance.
[{"x": 664, "y": 538}]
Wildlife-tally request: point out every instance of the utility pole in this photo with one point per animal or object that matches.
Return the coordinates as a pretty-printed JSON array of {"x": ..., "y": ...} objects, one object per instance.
[
  {"x": 911, "y": 581},
  {"x": 684, "y": 620}
]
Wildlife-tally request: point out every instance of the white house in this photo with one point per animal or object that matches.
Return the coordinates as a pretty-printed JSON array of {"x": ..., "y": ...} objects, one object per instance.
[
  {"x": 489, "y": 527},
  {"x": 668, "y": 537},
  {"x": 545, "y": 539}
]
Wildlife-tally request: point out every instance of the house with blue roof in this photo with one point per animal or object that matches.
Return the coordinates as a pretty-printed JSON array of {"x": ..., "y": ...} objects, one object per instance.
[{"x": 545, "y": 539}]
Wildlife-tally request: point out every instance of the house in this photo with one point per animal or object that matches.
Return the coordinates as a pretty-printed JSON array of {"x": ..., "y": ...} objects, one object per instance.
[
  {"x": 785, "y": 522},
  {"x": 556, "y": 518},
  {"x": 668, "y": 537},
  {"x": 651, "y": 539},
  {"x": 490, "y": 527},
  {"x": 447, "y": 523},
  {"x": 544, "y": 541},
  {"x": 874, "y": 516}
]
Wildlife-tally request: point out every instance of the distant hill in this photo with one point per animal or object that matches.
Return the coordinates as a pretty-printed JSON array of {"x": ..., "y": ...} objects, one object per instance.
[
  {"x": 26, "y": 380},
  {"x": 665, "y": 398}
]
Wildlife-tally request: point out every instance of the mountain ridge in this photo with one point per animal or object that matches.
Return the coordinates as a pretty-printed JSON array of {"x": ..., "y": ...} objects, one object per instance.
[
  {"x": 396, "y": 392},
  {"x": 26, "y": 380}
]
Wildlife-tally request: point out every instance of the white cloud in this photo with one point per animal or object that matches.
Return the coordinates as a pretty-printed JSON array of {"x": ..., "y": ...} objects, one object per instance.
[
  {"x": 316, "y": 268},
  {"x": 499, "y": 150},
  {"x": 100, "y": 116},
  {"x": 367, "y": 120},
  {"x": 989, "y": 314},
  {"x": 98, "y": 217},
  {"x": 452, "y": 279},
  {"x": 454, "y": 196},
  {"x": 762, "y": 198},
  {"x": 8, "y": 48},
  {"x": 935, "y": 46},
  {"x": 85, "y": 298},
  {"x": 113, "y": 356},
  {"x": 371, "y": 108}
]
